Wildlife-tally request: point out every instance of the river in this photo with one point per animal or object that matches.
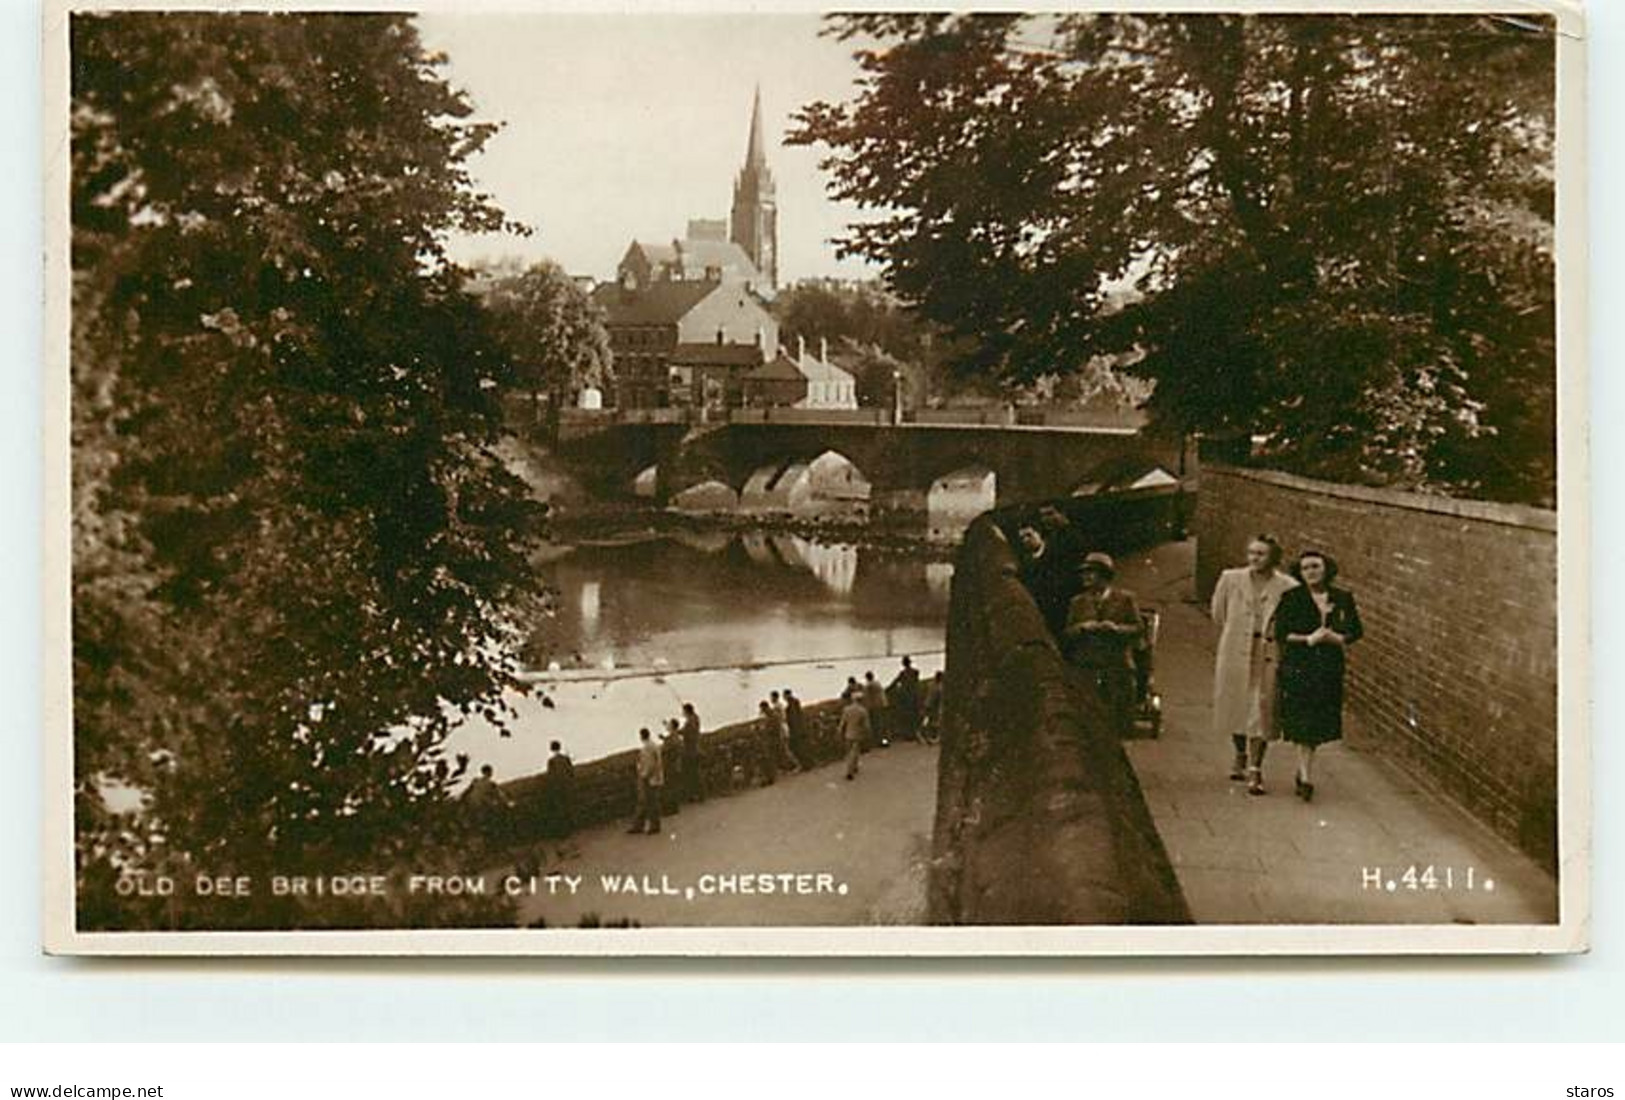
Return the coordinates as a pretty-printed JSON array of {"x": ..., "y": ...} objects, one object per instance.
[{"x": 718, "y": 619}]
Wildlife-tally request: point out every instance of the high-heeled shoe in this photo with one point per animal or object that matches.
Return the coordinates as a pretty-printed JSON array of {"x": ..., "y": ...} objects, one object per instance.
[
  {"x": 1255, "y": 781},
  {"x": 1302, "y": 789}
]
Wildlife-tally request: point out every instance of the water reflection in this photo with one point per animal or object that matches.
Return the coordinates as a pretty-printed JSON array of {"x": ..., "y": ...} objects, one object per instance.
[
  {"x": 759, "y": 611},
  {"x": 834, "y": 564},
  {"x": 758, "y": 549},
  {"x": 691, "y": 601},
  {"x": 706, "y": 542},
  {"x": 590, "y": 602}
]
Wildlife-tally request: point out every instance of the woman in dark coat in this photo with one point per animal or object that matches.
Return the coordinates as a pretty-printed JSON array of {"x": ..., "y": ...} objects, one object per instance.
[{"x": 1314, "y": 624}]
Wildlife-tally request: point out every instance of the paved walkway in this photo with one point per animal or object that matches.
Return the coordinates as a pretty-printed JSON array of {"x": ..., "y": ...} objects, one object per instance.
[
  {"x": 1276, "y": 860},
  {"x": 870, "y": 838}
]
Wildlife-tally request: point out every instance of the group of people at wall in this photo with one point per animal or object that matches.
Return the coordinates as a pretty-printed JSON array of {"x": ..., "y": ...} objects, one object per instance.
[
  {"x": 780, "y": 736},
  {"x": 1280, "y": 662},
  {"x": 681, "y": 736},
  {"x": 490, "y": 809},
  {"x": 873, "y": 713}
]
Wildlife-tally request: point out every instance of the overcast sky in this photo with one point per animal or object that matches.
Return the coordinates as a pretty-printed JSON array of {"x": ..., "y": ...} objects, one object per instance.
[{"x": 625, "y": 126}]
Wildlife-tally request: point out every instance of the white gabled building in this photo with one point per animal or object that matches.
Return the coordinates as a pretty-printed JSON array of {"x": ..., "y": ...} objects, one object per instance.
[{"x": 828, "y": 386}]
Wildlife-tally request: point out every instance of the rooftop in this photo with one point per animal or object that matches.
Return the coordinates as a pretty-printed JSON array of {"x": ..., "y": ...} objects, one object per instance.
[{"x": 661, "y": 303}]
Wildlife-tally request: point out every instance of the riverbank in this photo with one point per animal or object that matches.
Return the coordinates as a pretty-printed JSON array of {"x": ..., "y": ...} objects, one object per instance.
[
  {"x": 600, "y": 717},
  {"x": 615, "y": 523}
]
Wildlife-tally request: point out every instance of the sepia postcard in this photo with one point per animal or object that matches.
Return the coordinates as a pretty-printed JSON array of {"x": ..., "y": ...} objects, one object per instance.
[{"x": 730, "y": 481}]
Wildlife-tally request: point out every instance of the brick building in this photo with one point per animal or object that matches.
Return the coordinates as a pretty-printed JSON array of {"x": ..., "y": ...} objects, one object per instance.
[
  {"x": 709, "y": 376},
  {"x": 647, "y": 325}
]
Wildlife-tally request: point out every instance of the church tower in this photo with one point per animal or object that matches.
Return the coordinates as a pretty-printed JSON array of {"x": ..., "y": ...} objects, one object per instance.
[{"x": 754, "y": 225}]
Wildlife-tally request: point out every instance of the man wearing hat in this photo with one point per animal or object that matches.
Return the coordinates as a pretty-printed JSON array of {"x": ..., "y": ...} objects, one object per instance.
[{"x": 1102, "y": 626}]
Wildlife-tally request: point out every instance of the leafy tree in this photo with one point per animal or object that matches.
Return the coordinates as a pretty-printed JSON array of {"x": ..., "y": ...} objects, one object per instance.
[
  {"x": 865, "y": 314},
  {"x": 876, "y": 330},
  {"x": 1335, "y": 231},
  {"x": 297, "y": 560},
  {"x": 551, "y": 331}
]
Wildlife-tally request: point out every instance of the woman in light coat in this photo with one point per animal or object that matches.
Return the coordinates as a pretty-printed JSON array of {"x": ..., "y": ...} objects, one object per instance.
[{"x": 1244, "y": 603}]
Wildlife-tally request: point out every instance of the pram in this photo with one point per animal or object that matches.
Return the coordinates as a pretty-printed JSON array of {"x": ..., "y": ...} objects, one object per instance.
[{"x": 1147, "y": 703}]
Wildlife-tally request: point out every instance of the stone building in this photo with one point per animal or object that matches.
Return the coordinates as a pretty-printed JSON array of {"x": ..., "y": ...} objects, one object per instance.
[{"x": 688, "y": 259}]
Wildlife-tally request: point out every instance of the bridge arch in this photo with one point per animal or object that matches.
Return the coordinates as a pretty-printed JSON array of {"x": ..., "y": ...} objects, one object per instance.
[
  {"x": 965, "y": 490},
  {"x": 825, "y": 483},
  {"x": 834, "y": 478}
]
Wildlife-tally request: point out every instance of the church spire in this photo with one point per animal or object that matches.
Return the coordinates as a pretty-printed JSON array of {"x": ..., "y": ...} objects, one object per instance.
[
  {"x": 754, "y": 222},
  {"x": 755, "y": 153}
]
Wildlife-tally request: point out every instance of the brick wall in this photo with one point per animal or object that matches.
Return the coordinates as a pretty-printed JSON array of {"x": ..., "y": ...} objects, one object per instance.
[{"x": 1457, "y": 676}]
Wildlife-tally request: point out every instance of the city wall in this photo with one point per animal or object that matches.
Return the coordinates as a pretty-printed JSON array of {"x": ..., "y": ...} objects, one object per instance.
[
  {"x": 1456, "y": 678},
  {"x": 1040, "y": 819}
]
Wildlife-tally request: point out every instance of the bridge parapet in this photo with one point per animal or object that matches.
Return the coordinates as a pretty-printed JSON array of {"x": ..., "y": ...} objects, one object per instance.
[
  {"x": 1040, "y": 819},
  {"x": 608, "y": 449}
]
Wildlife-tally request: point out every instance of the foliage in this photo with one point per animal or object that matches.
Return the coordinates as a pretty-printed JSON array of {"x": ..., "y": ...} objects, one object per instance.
[
  {"x": 1334, "y": 231},
  {"x": 297, "y": 561},
  {"x": 879, "y": 332},
  {"x": 551, "y": 331},
  {"x": 863, "y": 313},
  {"x": 876, "y": 376}
]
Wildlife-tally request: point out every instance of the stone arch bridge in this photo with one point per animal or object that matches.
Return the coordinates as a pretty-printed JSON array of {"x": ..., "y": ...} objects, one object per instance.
[{"x": 900, "y": 462}]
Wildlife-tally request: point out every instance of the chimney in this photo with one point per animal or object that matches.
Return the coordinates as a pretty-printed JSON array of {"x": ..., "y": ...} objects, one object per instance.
[
  {"x": 801, "y": 347},
  {"x": 823, "y": 349},
  {"x": 758, "y": 335}
]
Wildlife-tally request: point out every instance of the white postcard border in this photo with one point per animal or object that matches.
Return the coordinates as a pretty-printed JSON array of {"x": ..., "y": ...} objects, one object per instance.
[{"x": 1570, "y": 934}]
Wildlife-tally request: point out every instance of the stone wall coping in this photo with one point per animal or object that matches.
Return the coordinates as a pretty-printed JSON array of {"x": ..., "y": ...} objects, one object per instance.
[{"x": 1484, "y": 511}]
